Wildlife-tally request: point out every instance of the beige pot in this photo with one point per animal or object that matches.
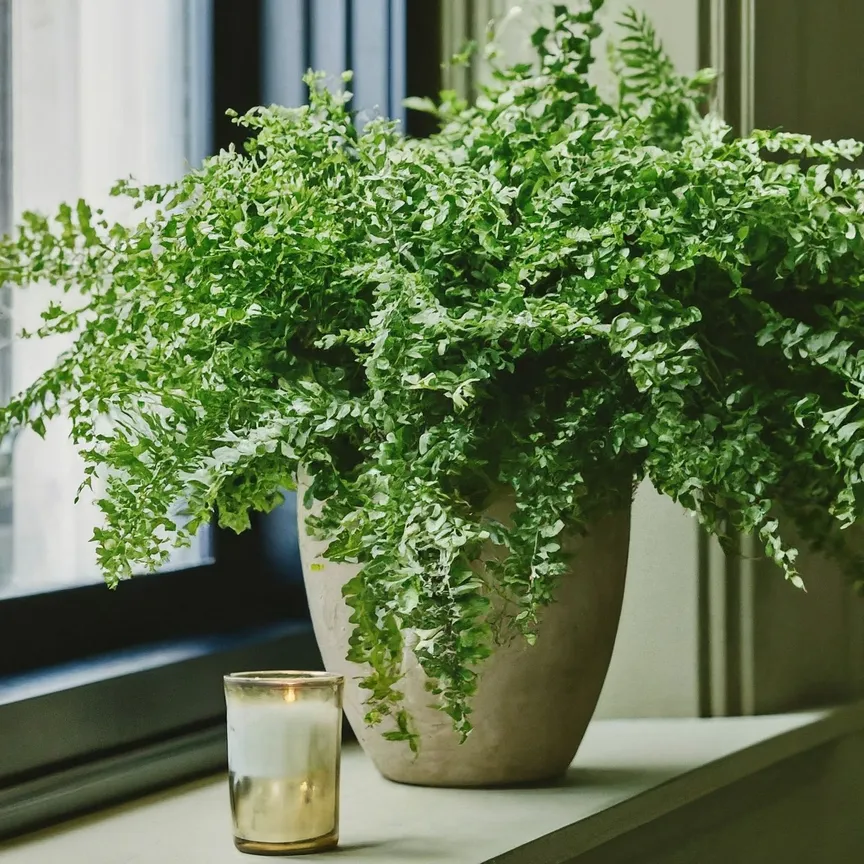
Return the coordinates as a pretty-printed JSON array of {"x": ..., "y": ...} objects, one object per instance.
[{"x": 532, "y": 705}]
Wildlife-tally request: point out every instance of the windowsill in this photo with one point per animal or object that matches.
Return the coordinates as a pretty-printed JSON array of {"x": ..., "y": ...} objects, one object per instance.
[
  {"x": 130, "y": 661},
  {"x": 124, "y": 723},
  {"x": 628, "y": 774}
]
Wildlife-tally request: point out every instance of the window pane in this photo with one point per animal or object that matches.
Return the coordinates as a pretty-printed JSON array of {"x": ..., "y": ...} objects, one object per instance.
[{"x": 95, "y": 90}]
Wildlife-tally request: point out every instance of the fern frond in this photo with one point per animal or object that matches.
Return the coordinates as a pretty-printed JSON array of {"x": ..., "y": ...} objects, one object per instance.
[{"x": 648, "y": 85}]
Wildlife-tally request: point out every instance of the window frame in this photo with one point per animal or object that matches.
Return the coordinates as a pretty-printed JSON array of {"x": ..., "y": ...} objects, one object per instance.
[
  {"x": 240, "y": 589},
  {"x": 92, "y": 679}
]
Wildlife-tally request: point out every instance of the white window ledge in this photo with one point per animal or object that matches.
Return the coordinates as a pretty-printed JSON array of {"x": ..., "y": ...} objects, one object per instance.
[{"x": 628, "y": 774}]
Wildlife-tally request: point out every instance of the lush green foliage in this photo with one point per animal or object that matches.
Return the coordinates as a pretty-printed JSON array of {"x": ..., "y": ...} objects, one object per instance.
[{"x": 557, "y": 294}]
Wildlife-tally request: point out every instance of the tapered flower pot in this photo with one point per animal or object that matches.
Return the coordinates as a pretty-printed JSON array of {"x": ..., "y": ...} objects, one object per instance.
[{"x": 533, "y": 703}]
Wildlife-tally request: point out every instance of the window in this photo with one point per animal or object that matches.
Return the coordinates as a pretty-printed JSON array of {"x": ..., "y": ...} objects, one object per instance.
[
  {"x": 145, "y": 107},
  {"x": 85, "y": 104},
  {"x": 91, "y": 91}
]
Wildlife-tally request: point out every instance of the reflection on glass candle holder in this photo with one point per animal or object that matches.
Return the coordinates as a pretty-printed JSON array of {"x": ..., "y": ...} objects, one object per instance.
[{"x": 284, "y": 748}]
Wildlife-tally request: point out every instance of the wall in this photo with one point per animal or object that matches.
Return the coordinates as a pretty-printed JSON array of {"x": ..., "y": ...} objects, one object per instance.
[
  {"x": 700, "y": 634},
  {"x": 655, "y": 667}
]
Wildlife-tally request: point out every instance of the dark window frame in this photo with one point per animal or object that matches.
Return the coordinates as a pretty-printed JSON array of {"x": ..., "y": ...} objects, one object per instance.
[{"x": 239, "y": 590}]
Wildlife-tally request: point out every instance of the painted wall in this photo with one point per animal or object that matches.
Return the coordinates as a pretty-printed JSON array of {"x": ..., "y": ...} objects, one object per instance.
[{"x": 654, "y": 669}]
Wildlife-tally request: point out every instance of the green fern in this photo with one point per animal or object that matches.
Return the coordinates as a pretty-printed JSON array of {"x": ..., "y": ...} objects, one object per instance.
[
  {"x": 648, "y": 85},
  {"x": 553, "y": 295}
]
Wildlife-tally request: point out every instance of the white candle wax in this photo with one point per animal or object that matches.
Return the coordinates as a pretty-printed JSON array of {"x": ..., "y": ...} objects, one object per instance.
[{"x": 278, "y": 739}]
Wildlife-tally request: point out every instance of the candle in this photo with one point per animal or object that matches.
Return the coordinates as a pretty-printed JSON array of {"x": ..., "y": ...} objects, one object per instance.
[{"x": 284, "y": 740}]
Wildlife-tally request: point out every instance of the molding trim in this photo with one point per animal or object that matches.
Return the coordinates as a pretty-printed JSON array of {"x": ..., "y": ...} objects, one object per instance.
[
  {"x": 198, "y": 72},
  {"x": 712, "y": 33},
  {"x": 747, "y": 55},
  {"x": 726, "y": 653},
  {"x": 458, "y": 29},
  {"x": 733, "y": 41}
]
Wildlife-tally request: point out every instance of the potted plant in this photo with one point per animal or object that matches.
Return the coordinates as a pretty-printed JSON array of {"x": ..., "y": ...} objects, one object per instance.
[{"x": 465, "y": 352}]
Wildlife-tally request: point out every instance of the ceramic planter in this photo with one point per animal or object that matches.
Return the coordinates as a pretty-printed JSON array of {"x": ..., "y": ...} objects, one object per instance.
[{"x": 533, "y": 704}]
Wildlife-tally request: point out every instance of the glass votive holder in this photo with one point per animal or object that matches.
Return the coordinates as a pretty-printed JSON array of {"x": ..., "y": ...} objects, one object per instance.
[{"x": 284, "y": 751}]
